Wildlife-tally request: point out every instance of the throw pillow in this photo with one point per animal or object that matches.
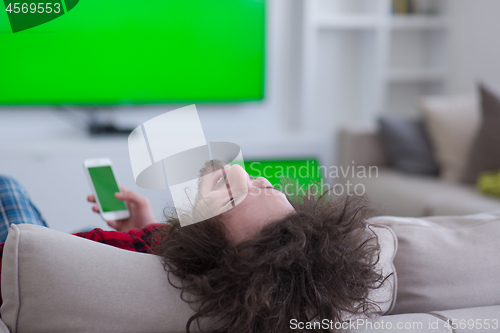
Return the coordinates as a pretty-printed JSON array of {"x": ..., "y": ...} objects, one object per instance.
[
  {"x": 485, "y": 152},
  {"x": 452, "y": 123},
  {"x": 408, "y": 145},
  {"x": 489, "y": 183}
]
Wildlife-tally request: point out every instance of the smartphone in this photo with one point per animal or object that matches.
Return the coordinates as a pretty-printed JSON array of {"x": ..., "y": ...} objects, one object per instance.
[{"x": 103, "y": 183}]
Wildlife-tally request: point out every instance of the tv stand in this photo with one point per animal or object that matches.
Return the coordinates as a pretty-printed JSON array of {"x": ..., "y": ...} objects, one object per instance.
[
  {"x": 106, "y": 128},
  {"x": 98, "y": 126}
]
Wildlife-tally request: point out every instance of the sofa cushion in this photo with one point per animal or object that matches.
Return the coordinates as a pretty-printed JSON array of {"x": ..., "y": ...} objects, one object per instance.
[
  {"x": 408, "y": 145},
  {"x": 55, "y": 282},
  {"x": 478, "y": 320},
  {"x": 452, "y": 123},
  {"x": 402, "y": 323},
  {"x": 3, "y": 327},
  {"x": 446, "y": 262},
  {"x": 485, "y": 151}
]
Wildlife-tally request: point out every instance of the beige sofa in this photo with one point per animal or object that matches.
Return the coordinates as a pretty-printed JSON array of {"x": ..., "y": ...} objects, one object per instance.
[
  {"x": 402, "y": 194},
  {"x": 446, "y": 280}
]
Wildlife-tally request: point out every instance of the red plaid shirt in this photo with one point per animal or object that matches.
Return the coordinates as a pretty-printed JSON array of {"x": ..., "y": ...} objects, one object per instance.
[{"x": 136, "y": 240}]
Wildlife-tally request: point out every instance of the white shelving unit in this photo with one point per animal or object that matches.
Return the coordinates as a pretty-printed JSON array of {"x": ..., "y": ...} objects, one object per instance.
[
  {"x": 361, "y": 60},
  {"x": 347, "y": 22},
  {"x": 417, "y": 22}
]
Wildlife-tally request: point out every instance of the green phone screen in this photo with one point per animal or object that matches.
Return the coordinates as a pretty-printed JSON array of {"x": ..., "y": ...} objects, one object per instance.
[{"x": 105, "y": 187}]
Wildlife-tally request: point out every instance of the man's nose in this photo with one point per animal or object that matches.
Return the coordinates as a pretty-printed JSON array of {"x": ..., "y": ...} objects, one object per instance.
[{"x": 259, "y": 182}]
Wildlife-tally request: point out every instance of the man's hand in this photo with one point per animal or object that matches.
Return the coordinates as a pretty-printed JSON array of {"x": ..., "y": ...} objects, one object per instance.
[{"x": 141, "y": 213}]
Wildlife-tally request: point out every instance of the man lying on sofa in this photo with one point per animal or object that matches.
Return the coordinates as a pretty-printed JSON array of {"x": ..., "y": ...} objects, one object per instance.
[{"x": 259, "y": 267}]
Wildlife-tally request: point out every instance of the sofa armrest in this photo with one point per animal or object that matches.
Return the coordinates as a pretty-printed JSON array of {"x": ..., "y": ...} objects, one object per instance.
[
  {"x": 55, "y": 282},
  {"x": 361, "y": 146}
]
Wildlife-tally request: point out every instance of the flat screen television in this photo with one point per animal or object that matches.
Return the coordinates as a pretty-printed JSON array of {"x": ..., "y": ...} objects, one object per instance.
[{"x": 113, "y": 52}]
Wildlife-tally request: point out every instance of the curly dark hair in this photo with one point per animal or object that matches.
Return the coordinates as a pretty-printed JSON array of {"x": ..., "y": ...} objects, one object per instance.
[{"x": 317, "y": 263}]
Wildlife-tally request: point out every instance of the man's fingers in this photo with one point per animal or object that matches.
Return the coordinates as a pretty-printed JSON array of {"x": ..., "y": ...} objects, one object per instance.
[
  {"x": 95, "y": 208},
  {"x": 131, "y": 196},
  {"x": 113, "y": 224},
  {"x": 90, "y": 198},
  {"x": 117, "y": 225}
]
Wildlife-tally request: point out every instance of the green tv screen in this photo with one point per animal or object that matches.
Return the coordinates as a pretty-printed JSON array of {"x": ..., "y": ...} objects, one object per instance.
[{"x": 95, "y": 52}]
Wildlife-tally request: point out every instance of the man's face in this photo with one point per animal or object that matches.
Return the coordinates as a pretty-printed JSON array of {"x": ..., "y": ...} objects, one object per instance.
[
  {"x": 221, "y": 188},
  {"x": 245, "y": 204}
]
